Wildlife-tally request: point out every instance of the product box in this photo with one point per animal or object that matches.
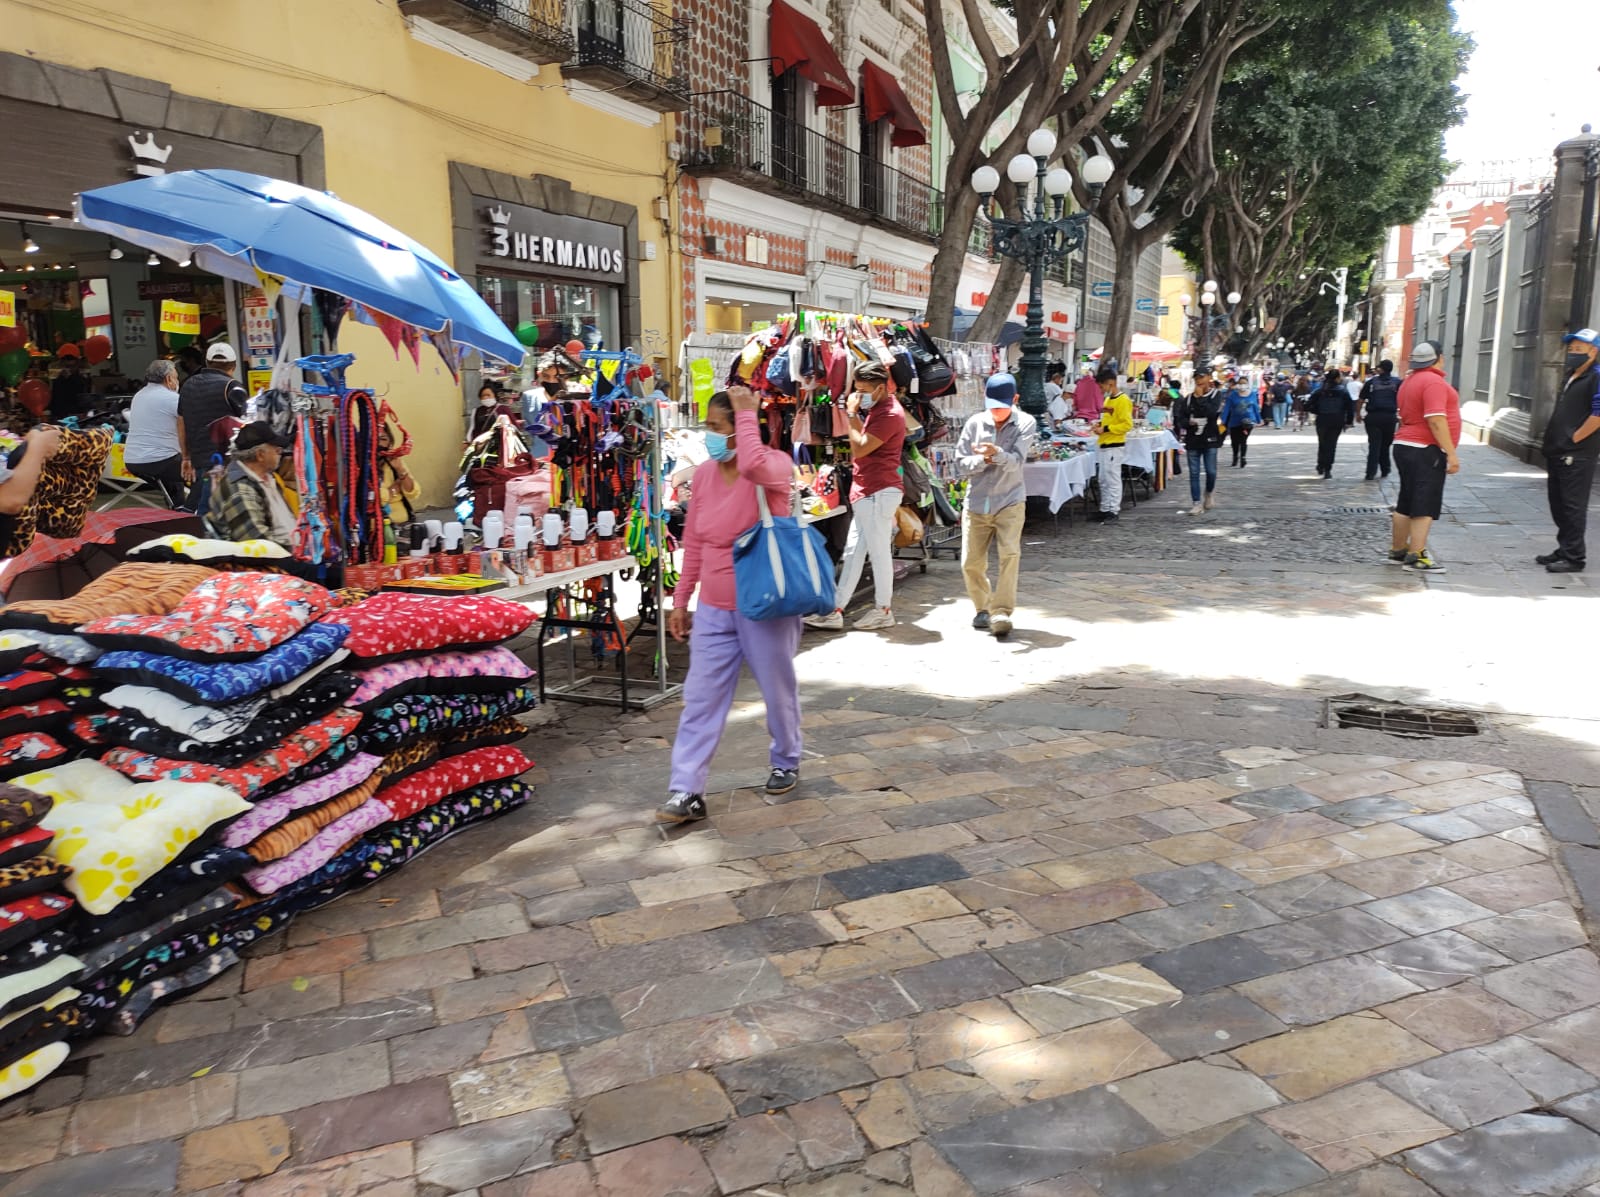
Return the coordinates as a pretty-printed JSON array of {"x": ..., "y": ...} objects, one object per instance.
[
  {"x": 558, "y": 560},
  {"x": 416, "y": 567},
  {"x": 390, "y": 573},
  {"x": 453, "y": 563},
  {"x": 363, "y": 577},
  {"x": 586, "y": 552},
  {"x": 611, "y": 547}
]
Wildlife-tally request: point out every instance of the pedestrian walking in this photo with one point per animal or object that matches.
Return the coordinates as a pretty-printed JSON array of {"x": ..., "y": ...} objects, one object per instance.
[
  {"x": 1116, "y": 421},
  {"x": 1241, "y": 414},
  {"x": 877, "y": 435},
  {"x": 993, "y": 448},
  {"x": 1279, "y": 395},
  {"x": 1330, "y": 406},
  {"x": 1571, "y": 448},
  {"x": 1379, "y": 411},
  {"x": 1424, "y": 453},
  {"x": 1197, "y": 420},
  {"x": 721, "y": 640},
  {"x": 1302, "y": 399}
]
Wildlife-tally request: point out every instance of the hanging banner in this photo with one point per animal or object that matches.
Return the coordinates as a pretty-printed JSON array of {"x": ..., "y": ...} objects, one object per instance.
[
  {"x": 179, "y": 317},
  {"x": 271, "y": 285},
  {"x": 703, "y": 378},
  {"x": 8, "y": 309}
]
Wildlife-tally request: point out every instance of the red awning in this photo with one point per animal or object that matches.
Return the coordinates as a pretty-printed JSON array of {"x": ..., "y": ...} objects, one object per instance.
[
  {"x": 798, "y": 43},
  {"x": 884, "y": 101}
]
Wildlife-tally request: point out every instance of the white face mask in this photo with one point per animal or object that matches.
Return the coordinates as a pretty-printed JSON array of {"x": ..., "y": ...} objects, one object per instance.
[{"x": 490, "y": 402}]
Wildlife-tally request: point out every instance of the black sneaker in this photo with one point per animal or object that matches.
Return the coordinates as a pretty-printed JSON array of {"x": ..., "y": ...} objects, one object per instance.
[
  {"x": 1109, "y": 517},
  {"x": 1550, "y": 558},
  {"x": 1565, "y": 566},
  {"x": 782, "y": 781},
  {"x": 681, "y": 807},
  {"x": 980, "y": 621}
]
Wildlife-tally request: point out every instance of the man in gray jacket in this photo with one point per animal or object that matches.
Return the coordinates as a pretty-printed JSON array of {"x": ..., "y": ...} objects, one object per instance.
[{"x": 993, "y": 448}]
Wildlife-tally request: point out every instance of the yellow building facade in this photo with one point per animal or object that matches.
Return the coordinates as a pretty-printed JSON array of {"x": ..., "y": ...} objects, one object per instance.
[{"x": 450, "y": 125}]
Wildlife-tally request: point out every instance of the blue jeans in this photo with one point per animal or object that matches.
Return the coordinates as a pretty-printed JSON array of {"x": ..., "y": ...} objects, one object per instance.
[
  {"x": 1197, "y": 457},
  {"x": 1280, "y": 414}
]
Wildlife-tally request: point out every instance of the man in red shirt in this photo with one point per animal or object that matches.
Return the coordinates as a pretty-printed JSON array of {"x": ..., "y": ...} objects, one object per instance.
[
  {"x": 1424, "y": 453},
  {"x": 877, "y": 434}
]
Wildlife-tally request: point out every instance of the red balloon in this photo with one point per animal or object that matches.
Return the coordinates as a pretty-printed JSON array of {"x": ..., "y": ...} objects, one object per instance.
[
  {"x": 574, "y": 348},
  {"x": 68, "y": 350},
  {"x": 34, "y": 395},
  {"x": 12, "y": 338},
  {"x": 97, "y": 348},
  {"x": 211, "y": 325}
]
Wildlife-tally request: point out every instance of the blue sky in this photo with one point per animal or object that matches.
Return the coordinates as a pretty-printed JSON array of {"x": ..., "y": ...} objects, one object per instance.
[{"x": 1534, "y": 79}]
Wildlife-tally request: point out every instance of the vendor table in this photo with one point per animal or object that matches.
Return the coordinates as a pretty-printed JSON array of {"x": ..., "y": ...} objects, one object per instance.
[
  {"x": 1059, "y": 482},
  {"x": 1145, "y": 451},
  {"x": 572, "y": 606}
]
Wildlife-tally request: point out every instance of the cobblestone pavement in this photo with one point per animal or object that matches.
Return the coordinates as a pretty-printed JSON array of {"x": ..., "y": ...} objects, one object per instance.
[{"x": 1100, "y": 910}]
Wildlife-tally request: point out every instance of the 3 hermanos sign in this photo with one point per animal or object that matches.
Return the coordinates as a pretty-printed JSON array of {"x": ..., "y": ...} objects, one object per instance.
[{"x": 547, "y": 243}]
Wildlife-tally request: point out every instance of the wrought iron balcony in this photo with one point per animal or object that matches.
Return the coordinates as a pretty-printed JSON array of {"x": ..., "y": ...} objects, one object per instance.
[
  {"x": 535, "y": 30},
  {"x": 728, "y": 134},
  {"x": 631, "y": 48}
]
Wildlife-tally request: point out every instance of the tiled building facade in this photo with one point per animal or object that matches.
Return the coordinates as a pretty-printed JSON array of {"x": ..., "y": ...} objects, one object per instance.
[{"x": 788, "y": 195}]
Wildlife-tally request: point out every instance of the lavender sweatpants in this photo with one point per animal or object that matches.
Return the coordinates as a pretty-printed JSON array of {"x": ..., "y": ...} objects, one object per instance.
[{"x": 719, "y": 644}]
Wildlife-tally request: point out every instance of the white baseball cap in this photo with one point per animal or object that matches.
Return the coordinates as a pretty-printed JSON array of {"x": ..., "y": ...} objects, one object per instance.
[{"x": 221, "y": 352}]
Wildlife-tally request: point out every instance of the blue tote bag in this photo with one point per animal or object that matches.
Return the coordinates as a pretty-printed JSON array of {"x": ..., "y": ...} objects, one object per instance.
[{"x": 781, "y": 567}]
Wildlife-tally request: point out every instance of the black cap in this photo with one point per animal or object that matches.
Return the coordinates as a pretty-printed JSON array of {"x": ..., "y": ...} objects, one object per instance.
[
  {"x": 1202, "y": 372},
  {"x": 259, "y": 433}
]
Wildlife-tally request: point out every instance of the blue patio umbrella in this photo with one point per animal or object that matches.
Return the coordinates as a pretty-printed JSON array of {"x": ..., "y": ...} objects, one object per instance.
[{"x": 241, "y": 226}]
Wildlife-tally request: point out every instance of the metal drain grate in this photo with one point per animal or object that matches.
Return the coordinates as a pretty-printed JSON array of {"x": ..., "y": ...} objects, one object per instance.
[
  {"x": 1397, "y": 719},
  {"x": 1355, "y": 511}
]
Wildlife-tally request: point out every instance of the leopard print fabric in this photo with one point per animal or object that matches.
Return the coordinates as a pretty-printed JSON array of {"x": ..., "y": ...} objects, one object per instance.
[{"x": 67, "y": 490}]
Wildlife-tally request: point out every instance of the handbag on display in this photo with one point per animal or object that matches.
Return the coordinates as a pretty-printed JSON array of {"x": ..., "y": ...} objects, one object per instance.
[
  {"x": 827, "y": 488},
  {"x": 907, "y": 528},
  {"x": 781, "y": 567},
  {"x": 805, "y": 473},
  {"x": 801, "y": 433},
  {"x": 841, "y": 422},
  {"x": 934, "y": 375}
]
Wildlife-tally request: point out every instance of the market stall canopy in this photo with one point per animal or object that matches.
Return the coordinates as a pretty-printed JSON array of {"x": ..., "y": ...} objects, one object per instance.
[
  {"x": 798, "y": 43},
  {"x": 267, "y": 233},
  {"x": 1148, "y": 348},
  {"x": 884, "y": 100}
]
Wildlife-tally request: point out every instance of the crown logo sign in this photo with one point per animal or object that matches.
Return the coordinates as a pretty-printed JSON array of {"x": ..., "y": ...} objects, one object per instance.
[
  {"x": 499, "y": 216},
  {"x": 149, "y": 158}
]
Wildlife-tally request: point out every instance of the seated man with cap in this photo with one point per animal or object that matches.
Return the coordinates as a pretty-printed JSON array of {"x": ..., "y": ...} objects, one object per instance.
[
  {"x": 206, "y": 396},
  {"x": 993, "y": 448},
  {"x": 249, "y": 500}
]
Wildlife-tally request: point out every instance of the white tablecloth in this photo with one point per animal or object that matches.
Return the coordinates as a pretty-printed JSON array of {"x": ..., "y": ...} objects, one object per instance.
[
  {"x": 1059, "y": 481},
  {"x": 1142, "y": 448}
]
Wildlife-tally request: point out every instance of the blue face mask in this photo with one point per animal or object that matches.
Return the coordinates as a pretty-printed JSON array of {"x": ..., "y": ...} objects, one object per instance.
[{"x": 717, "y": 445}]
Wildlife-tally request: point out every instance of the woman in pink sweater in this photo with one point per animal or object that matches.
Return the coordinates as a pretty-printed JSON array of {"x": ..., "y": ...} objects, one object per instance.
[{"x": 722, "y": 504}]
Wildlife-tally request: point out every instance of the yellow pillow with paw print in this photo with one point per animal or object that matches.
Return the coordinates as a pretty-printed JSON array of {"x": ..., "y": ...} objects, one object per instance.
[{"x": 116, "y": 834}]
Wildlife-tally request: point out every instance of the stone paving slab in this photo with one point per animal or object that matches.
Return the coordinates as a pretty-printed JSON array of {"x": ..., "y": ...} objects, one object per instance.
[{"x": 1102, "y": 915}]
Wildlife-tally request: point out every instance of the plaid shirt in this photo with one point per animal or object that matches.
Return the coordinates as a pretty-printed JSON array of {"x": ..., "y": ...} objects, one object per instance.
[{"x": 239, "y": 508}]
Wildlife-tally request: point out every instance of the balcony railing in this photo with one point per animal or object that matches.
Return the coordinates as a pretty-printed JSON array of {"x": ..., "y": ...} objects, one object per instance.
[
  {"x": 535, "y": 30},
  {"x": 632, "y": 48},
  {"x": 726, "y": 133}
]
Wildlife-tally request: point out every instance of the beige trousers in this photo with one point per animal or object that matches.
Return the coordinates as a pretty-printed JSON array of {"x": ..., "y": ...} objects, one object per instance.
[{"x": 1004, "y": 529}]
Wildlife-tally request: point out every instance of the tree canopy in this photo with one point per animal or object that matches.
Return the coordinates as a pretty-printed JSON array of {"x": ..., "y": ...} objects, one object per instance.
[{"x": 1317, "y": 159}]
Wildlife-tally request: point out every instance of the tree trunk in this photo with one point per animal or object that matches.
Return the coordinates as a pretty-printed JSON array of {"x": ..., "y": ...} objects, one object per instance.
[
  {"x": 961, "y": 208},
  {"x": 1119, "y": 324},
  {"x": 1002, "y": 301}
]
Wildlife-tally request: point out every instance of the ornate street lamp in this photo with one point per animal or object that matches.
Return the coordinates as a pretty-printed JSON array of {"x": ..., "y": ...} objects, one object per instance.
[{"x": 1043, "y": 236}]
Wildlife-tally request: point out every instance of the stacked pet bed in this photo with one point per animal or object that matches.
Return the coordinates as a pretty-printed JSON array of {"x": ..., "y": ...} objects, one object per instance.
[{"x": 219, "y": 752}]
